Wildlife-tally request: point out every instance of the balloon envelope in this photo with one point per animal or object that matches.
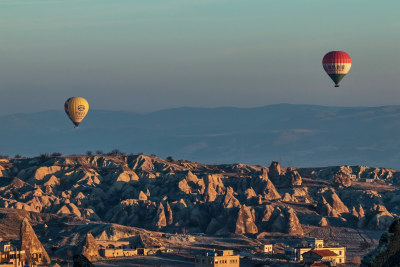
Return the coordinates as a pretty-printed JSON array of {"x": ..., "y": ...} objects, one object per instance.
[
  {"x": 336, "y": 64},
  {"x": 76, "y": 109}
]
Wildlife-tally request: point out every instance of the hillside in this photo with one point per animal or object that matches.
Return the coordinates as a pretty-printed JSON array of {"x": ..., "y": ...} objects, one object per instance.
[
  {"x": 296, "y": 135},
  {"x": 139, "y": 191}
]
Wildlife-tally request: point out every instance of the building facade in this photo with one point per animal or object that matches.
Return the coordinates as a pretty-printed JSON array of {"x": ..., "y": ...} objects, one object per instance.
[
  {"x": 11, "y": 256},
  {"x": 225, "y": 258},
  {"x": 320, "y": 256},
  {"x": 267, "y": 248},
  {"x": 117, "y": 252},
  {"x": 318, "y": 244}
]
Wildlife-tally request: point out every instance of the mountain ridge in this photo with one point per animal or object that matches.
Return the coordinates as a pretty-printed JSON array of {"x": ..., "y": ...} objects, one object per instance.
[{"x": 298, "y": 135}]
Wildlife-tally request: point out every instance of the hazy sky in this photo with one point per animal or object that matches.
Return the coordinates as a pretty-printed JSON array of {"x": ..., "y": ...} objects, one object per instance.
[{"x": 148, "y": 55}]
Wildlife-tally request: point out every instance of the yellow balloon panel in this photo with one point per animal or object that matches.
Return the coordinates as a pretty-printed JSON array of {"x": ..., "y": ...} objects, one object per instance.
[{"x": 76, "y": 109}]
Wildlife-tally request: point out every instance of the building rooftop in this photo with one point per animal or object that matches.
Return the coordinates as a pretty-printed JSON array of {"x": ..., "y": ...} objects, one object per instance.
[
  {"x": 218, "y": 253},
  {"x": 324, "y": 252}
]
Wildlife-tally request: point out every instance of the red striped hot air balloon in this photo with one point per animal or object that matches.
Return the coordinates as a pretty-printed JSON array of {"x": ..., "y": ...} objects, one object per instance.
[{"x": 336, "y": 64}]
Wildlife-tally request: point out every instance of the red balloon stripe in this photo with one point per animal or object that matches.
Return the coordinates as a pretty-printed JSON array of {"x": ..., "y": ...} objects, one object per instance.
[{"x": 336, "y": 57}]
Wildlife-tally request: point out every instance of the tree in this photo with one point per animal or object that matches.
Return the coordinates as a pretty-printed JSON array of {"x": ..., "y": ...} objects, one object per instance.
[
  {"x": 56, "y": 154},
  {"x": 170, "y": 159},
  {"x": 115, "y": 152},
  {"x": 44, "y": 156},
  {"x": 89, "y": 153},
  {"x": 99, "y": 152}
]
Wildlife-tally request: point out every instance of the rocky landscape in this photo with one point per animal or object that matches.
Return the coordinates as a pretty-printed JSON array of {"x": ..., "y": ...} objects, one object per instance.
[{"x": 70, "y": 200}]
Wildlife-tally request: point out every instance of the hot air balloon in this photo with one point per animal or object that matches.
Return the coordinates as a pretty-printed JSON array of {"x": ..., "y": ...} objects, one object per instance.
[
  {"x": 76, "y": 109},
  {"x": 336, "y": 64}
]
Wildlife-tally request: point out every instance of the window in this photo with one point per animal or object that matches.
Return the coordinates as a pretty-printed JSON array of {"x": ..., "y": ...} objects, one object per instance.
[
  {"x": 340, "y": 252},
  {"x": 340, "y": 260}
]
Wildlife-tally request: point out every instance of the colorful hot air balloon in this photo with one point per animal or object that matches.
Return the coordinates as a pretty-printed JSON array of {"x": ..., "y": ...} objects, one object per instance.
[
  {"x": 336, "y": 64},
  {"x": 76, "y": 109}
]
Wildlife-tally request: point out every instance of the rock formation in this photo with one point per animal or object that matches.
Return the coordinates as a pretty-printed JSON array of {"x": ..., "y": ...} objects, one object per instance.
[
  {"x": 342, "y": 176},
  {"x": 293, "y": 177},
  {"x": 274, "y": 169},
  {"x": 90, "y": 249},
  {"x": 293, "y": 223},
  {"x": 323, "y": 222},
  {"x": 152, "y": 193},
  {"x": 282, "y": 220},
  {"x": 31, "y": 244},
  {"x": 160, "y": 220},
  {"x": 245, "y": 221},
  {"x": 330, "y": 204}
]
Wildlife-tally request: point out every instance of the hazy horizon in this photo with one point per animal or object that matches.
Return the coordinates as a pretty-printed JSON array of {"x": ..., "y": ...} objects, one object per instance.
[
  {"x": 204, "y": 107},
  {"x": 301, "y": 135}
]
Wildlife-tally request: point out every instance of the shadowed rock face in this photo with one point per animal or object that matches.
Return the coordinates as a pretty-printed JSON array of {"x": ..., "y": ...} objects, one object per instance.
[
  {"x": 387, "y": 254},
  {"x": 275, "y": 169},
  {"x": 31, "y": 244},
  {"x": 82, "y": 261},
  {"x": 151, "y": 193}
]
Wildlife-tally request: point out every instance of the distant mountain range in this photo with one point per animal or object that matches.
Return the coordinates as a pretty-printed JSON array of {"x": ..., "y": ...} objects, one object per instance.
[{"x": 295, "y": 135}]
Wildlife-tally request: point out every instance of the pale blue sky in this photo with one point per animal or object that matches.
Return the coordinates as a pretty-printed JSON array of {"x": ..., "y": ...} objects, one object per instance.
[{"x": 150, "y": 55}]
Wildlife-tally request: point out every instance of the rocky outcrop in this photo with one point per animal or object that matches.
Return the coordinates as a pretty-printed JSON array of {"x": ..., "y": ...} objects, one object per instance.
[
  {"x": 214, "y": 187},
  {"x": 293, "y": 224},
  {"x": 290, "y": 178},
  {"x": 230, "y": 201},
  {"x": 342, "y": 177},
  {"x": 90, "y": 249},
  {"x": 293, "y": 177},
  {"x": 245, "y": 223},
  {"x": 283, "y": 220},
  {"x": 330, "y": 204},
  {"x": 142, "y": 196},
  {"x": 274, "y": 169},
  {"x": 323, "y": 222},
  {"x": 191, "y": 184},
  {"x": 160, "y": 220},
  {"x": 168, "y": 212},
  {"x": 387, "y": 254},
  {"x": 31, "y": 244}
]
